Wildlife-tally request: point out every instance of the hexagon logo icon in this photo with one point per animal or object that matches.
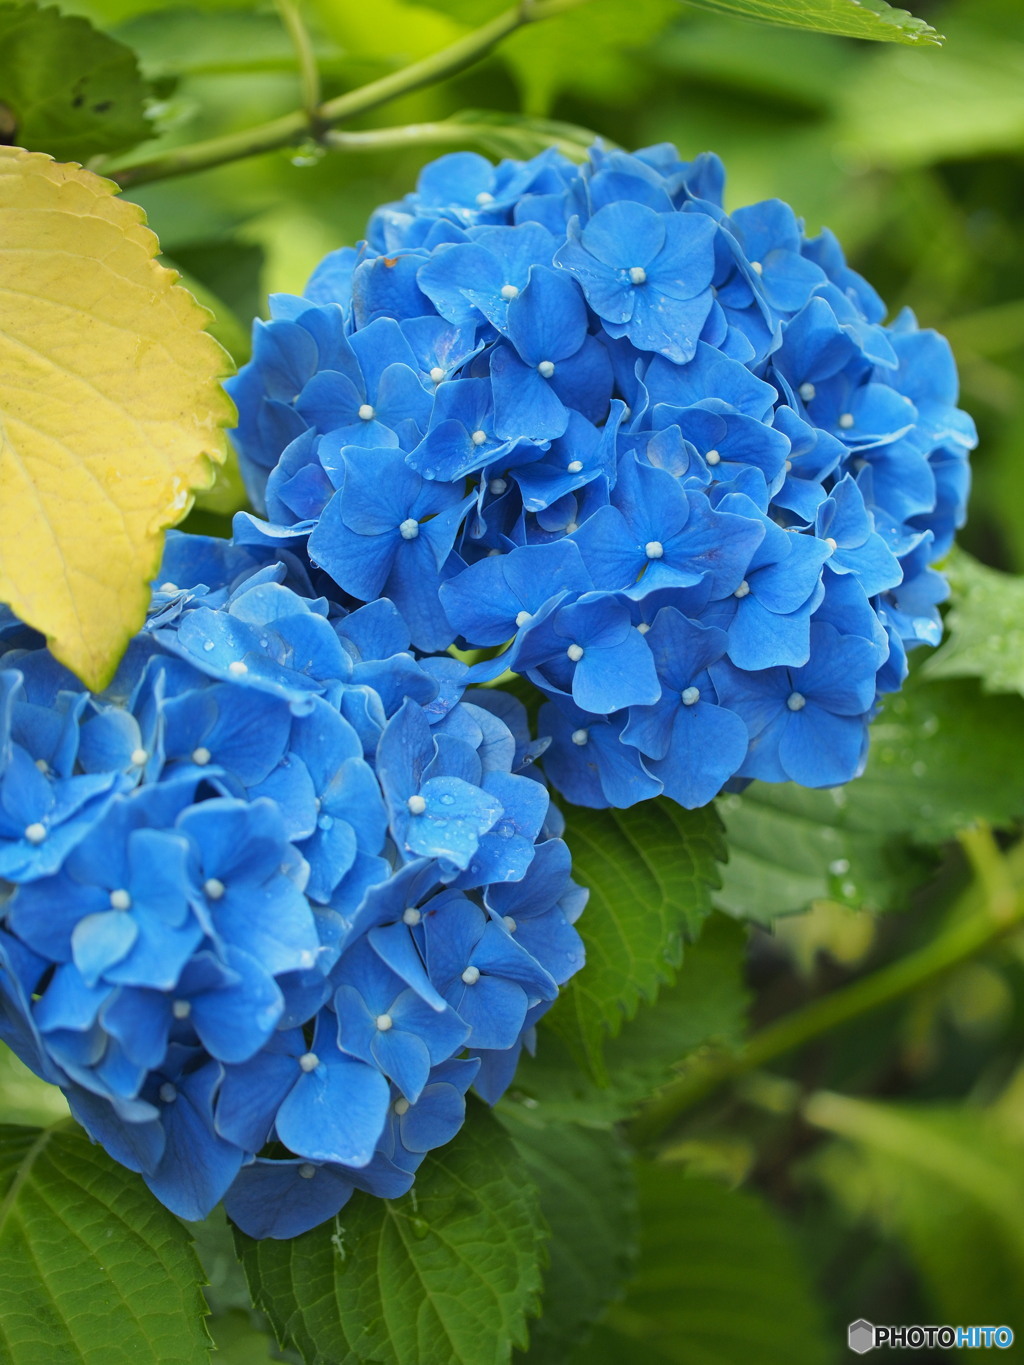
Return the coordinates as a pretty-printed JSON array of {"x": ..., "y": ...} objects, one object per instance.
[{"x": 861, "y": 1336}]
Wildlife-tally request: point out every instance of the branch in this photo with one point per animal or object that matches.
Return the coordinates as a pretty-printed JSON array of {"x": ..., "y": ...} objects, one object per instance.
[
  {"x": 295, "y": 127},
  {"x": 982, "y": 916}
]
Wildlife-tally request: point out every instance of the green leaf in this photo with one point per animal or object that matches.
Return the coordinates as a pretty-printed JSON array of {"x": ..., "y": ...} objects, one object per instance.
[
  {"x": 445, "y": 1275},
  {"x": 719, "y": 1282},
  {"x": 985, "y": 625},
  {"x": 790, "y": 846},
  {"x": 588, "y": 1199},
  {"x": 921, "y": 1173},
  {"x": 650, "y": 871},
  {"x": 66, "y": 88},
  {"x": 850, "y": 18},
  {"x": 95, "y": 1270},
  {"x": 939, "y": 759},
  {"x": 706, "y": 1006}
]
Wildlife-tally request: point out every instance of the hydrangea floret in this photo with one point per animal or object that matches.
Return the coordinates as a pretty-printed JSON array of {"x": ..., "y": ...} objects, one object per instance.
[
  {"x": 666, "y": 461},
  {"x": 276, "y": 898}
]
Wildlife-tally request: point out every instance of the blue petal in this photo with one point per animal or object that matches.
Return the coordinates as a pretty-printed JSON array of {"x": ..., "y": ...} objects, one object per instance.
[{"x": 336, "y": 1112}]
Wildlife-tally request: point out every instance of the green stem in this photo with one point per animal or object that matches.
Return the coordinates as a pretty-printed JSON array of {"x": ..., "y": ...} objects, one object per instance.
[
  {"x": 293, "y": 128},
  {"x": 989, "y": 908},
  {"x": 309, "y": 74}
]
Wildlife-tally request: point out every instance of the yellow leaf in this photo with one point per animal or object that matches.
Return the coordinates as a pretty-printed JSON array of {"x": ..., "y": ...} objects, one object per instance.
[{"x": 111, "y": 411}]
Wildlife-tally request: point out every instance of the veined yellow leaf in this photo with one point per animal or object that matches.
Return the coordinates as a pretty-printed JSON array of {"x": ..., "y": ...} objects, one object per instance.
[{"x": 111, "y": 411}]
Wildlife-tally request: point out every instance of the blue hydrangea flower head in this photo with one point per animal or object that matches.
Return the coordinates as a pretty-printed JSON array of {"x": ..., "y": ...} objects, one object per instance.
[
  {"x": 668, "y": 462},
  {"x": 262, "y": 923}
]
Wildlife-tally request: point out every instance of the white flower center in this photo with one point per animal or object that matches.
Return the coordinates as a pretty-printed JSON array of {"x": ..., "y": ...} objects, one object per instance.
[
  {"x": 509, "y": 292},
  {"x": 713, "y": 457},
  {"x": 309, "y": 1061},
  {"x": 574, "y": 466},
  {"x": 575, "y": 653},
  {"x": 546, "y": 369},
  {"x": 580, "y": 737},
  {"x": 35, "y": 833},
  {"x": 411, "y": 916},
  {"x": 497, "y": 487},
  {"x": 478, "y": 437},
  {"x": 846, "y": 421},
  {"x": 417, "y": 805},
  {"x": 120, "y": 900},
  {"x": 522, "y": 617},
  {"x": 384, "y": 1022},
  {"x": 690, "y": 696},
  {"x": 471, "y": 975},
  {"x": 437, "y": 374},
  {"x": 637, "y": 274},
  {"x": 409, "y": 529},
  {"x": 181, "y": 1009},
  {"x": 807, "y": 391},
  {"x": 237, "y": 667},
  {"x": 366, "y": 412},
  {"x": 654, "y": 549},
  {"x": 796, "y": 701},
  {"x": 214, "y": 888},
  {"x": 742, "y": 590},
  {"x": 201, "y": 756}
]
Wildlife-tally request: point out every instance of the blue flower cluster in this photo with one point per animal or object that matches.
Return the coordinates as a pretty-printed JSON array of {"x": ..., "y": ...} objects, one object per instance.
[
  {"x": 665, "y": 461},
  {"x": 276, "y": 898}
]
